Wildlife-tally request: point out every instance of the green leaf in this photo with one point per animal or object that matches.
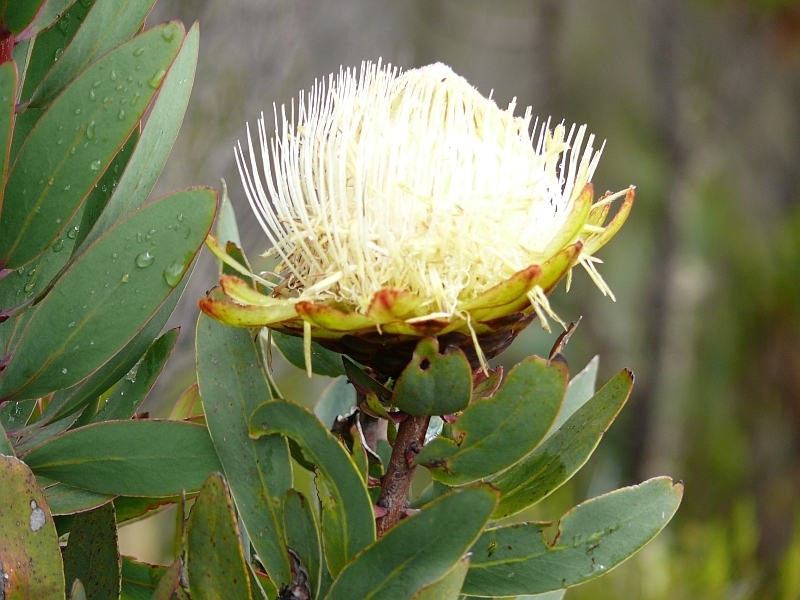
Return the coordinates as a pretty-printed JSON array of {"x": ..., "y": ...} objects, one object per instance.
[
  {"x": 227, "y": 229},
  {"x": 131, "y": 509},
  {"x": 48, "y": 180},
  {"x": 130, "y": 458},
  {"x": 50, "y": 44},
  {"x": 323, "y": 362},
  {"x": 156, "y": 140},
  {"x": 347, "y": 519},
  {"x": 302, "y": 536},
  {"x": 15, "y": 414},
  {"x": 259, "y": 472},
  {"x": 592, "y": 538},
  {"x": 32, "y": 279},
  {"x": 494, "y": 433},
  {"x": 23, "y": 125},
  {"x": 5, "y": 445},
  {"x": 16, "y": 15},
  {"x": 107, "y": 25},
  {"x": 130, "y": 391},
  {"x": 28, "y": 541},
  {"x": 449, "y": 586},
  {"x": 8, "y": 91},
  {"x": 78, "y": 326},
  {"x": 363, "y": 382},
  {"x": 419, "y": 550},
  {"x": 65, "y": 499},
  {"x": 38, "y": 433},
  {"x": 581, "y": 388},
  {"x": 337, "y": 399},
  {"x": 564, "y": 452},
  {"x": 72, "y": 399},
  {"x": 98, "y": 198},
  {"x": 91, "y": 553},
  {"x": 169, "y": 582},
  {"x": 215, "y": 562},
  {"x": 188, "y": 404},
  {"x": 139, "y": 580},
  {"x": 48, "y": 15},
  {"x": 433, "y": 383}
]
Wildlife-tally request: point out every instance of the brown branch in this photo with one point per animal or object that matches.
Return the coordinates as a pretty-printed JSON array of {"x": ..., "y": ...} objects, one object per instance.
[{"x": 397, "y": 480}]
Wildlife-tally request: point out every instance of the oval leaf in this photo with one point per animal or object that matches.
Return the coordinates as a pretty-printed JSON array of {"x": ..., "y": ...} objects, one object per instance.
[
  {"x": 347, "y": 520},
  {"x": 215, "y": 563},
  {"x": 131, "y": 458},
  {"x": 592, "y": 538},
  {"x": 91, "y": 553},
  {"x": 564, "y": 452},
  {"x": 433, "y": 383},
  {"x": 419, "y": 550},
  {"x": 30, "y": 559},
  {"x": 259, "y": 472},
  {"x": 494, "y": 433},
  {"x": 128, "y": 272}
]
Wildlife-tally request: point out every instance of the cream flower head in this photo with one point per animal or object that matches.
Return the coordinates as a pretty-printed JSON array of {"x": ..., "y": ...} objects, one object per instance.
[{"x": 406, "y": 204}]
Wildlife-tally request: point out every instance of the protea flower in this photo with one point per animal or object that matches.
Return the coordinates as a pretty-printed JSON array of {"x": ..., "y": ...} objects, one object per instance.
[{"x": 404, "y": 205}]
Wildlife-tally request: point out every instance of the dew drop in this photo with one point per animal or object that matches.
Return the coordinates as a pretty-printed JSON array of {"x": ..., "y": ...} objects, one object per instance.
[
  {"x": 95, "y": 165},
  {"x": 21, "y": 270},
  {"x": 125, "y": 277},
  {"x": 64, "y": 370},
  {"x": 113, "y": 75},
  {"x": 114, "y": 256},
  {"x": 138, "y": 52},
  {"x": 135, "y": 99},
  {"x": 72, "y": 150},
  {"x": 173, "y": 274},
  {"x": 77, "y": 111},
  {"x": 90, "y": 130},
  {"x": 168, "y": 33},
  {"x": 73, "y": 233},
  {"x": 29, "y": 286},
  {"x": 67, "y": 188},
  {"x": 139, "y": 237},
  {"x": 59, "y": 52},
  {"x": 97, "y": 84},
  {"x": 145, "y": 259},
  {"x": 72, "y": 323},
  {"x": 121, "y": 114},
  {"x": 180, "y": 218},
  {"x": 119, "y": 87},
  {"x": 156, "y": 79},
  {"x": 92, "y": 95},
  {"x": 58, "y": 246}
]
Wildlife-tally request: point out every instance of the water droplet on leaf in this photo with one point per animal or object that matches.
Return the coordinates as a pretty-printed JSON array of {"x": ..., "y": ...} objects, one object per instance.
[
  {"x": 173, "y": 274},
  {"x": 156, "y": 79},
  {"x": 95, "y": 165},
  {"x": 90, "y": 130},
  {"x": 145, "y": 259}
]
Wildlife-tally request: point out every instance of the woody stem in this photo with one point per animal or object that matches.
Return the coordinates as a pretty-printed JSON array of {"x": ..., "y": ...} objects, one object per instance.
[{"x": 400, "y": 471}]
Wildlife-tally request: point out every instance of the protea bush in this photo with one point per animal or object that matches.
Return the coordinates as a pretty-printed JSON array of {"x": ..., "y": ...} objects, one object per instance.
[{"x": 416, "y": 229}]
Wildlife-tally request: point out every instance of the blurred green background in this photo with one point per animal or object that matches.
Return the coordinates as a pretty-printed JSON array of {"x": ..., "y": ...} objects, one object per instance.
[{"x": 699, "y": 101}]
